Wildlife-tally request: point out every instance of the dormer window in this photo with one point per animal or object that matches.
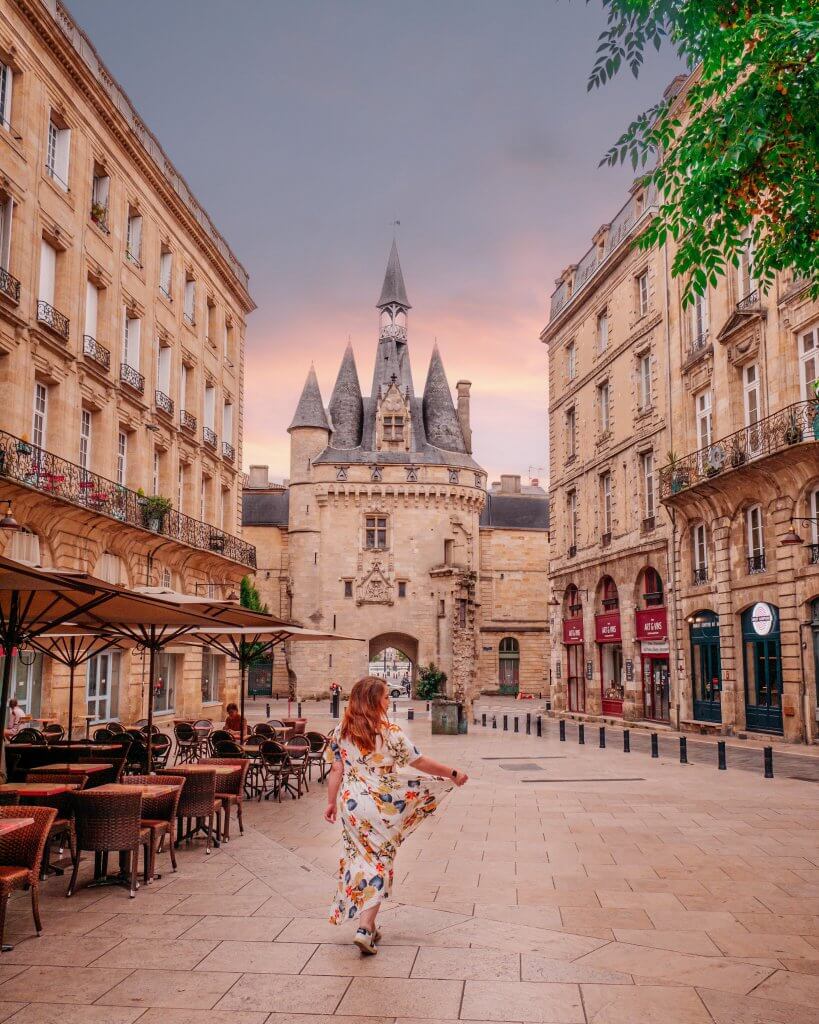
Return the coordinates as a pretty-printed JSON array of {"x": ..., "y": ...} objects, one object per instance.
[{"x": 393, "y": 428}]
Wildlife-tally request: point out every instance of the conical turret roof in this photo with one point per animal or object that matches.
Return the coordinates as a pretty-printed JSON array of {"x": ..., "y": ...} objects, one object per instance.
[
  {"x": 440, "y": 419},
  {"x": 346, "y": 404},
  {"x": 393, "y": 291},
  {"x": 310, "y": 410}
]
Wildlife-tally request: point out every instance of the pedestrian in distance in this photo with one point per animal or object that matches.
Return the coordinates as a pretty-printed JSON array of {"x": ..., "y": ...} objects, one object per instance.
[{"x": 378, "y": 806}]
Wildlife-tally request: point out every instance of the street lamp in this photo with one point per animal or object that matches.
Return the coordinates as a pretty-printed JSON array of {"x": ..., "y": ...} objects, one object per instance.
[
  {"x": 792, "y": 538},
  {"x": 8, "y": 522}
]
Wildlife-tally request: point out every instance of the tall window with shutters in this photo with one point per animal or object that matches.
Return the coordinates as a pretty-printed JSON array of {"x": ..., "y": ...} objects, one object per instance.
[
  {"x": 122, "y": 458},
  {"x": 375, "y": 533},
  {"x": 133, "y": 240},
  {"x": 809, "y": 363},
  {"x": 189, "y": 311},
  {"x": 647, "y": 468},
  {"x": 756, "y": 539},
  {"x": 605, "y": 506},
  {"x": 39, "y": 424},
  {"x": 6, "y": 210},
  {"x": 571, "y": 434},
  {"x": 6, "y": 84},
  {"x": 644, "y": 371},
  {"x": 58, "y": 146},
  {"x": 699, "y": 552},
  {"x": 165, "y": 271},
  {"x": 602, "y": 331},
  {"x": 85, "y": 438},
  {"x": 131, "y": 340}
]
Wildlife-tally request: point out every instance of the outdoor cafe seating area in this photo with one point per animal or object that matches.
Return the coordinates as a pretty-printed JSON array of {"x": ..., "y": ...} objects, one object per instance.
[{"x": 68, "y": 804}]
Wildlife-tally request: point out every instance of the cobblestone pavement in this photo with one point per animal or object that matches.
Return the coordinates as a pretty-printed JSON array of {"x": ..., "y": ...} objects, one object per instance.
[{"x": 644, "y": 891}]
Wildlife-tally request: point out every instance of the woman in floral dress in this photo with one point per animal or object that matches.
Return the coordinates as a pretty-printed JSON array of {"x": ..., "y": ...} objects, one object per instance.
[{"x": 378, "y": 807}]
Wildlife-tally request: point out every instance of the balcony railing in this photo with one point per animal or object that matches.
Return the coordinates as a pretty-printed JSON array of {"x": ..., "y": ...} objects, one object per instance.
[
  {"x": 99, "y": 215},
  {"x": 187, "y": 421},
  {"x": 133, "y": 378},
  {"x": 43, "y": 471},
  {"x": 133, "y": 257},
  {"x": 698, "y": 345},
  {"x": 756, "y": 564},
  {"x": 9, "y": 286},
  {"x": 209, "y": 437},
  {"x": 649, "y": 523},
  {"x": 228, "y": 451},
  {"x": 700, "y": 575},
  {"x": 53, "y": 318},
  {"x": 99, "y": 353},
  {"x": 163, "y": 402},
  {"x": 749, "y": 303},
  {"x": 791, "y": 425},
  {"x": 813, "y": 554}
]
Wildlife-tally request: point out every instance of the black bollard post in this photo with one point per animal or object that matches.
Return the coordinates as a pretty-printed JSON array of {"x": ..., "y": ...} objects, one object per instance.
[
  {"x": 602, "y": 736},
  {"x": 683, "y": 750},
  {"x": 768, "y": 752},
  {"x": 267, "y": 711},
  {"x": 506, "y": 723},
  {"x": 298, "y": 710},
  {"x": 483, "y": 719},
  {"x": 721, "y": 756},
  {"x": 516, "y": 724},
  {"x": 410, "y": 714},
  {"x": 581, "y": 734},
  {"x": 427, "y": 705},
  {"x": 626, "y": 741},
  {"x": 562, "y": 730},
  {"x": 655, "y": 745},
  {"x": 494, "y": 721},
  {"x": 539, "y": 726},
  {"x": 335, "y": 703},
  {"x": 528, "y": 723},
  {"x": 394, "y": 707}
]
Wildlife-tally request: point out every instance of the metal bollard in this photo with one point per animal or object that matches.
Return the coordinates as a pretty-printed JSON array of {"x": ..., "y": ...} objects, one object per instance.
[
  {"x": 427, "y": 705},
  {"x": 528, "y": 723},
  {"x": 494, "y": 721},
  {"x": 298, "y": 710},
  {"x": 335, "y": 704},
  {"x": 267, "y": 711},
  {"x": 539, "y": 726},
  {"x": 394, "y": 707},
  {"x": 410, "y": 714},
  {"x": 483, "y": 719},
  {"x": 506, "y": 723},
  {"x": 602, "y": 736},
  {"x": 581, "y": 734},
  {"x": 516, "y": 724},
  {"x": 721, "y": 764},
  {"x": 768, "y": 753},
  {"x": 683, "y": 750},
  {"x": 562, "y": 730},
  {"x": 655, "y": 745},
  {"x": 626, "y": 741}
]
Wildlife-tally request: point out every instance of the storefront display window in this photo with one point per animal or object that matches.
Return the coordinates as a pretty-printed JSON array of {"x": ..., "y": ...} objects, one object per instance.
[
  {"x": 762, "y": 666},
  {"x": 706, "y": 672}
]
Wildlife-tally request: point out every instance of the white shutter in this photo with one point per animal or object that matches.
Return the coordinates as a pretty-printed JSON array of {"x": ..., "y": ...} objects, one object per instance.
[
  {"x": 133, "y": 342},
  {"x": 6, "y": 81},
  {"x": 5, "y": 232},
  {"x": 210, "y": 408},
  {"x": 91, "y": 305},
  {"x": 164, "y": 381},
  {"x": 63, "y": 150},
  {"x": 135, "y": 237},
  {"x": 48, "y": 270},
  {"x": 183, "y": 388},
  {"x": 227, "y": 423}
]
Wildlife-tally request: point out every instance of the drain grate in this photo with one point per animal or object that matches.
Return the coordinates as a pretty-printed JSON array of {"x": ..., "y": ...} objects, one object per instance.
[{"x": 520, "y": 766}]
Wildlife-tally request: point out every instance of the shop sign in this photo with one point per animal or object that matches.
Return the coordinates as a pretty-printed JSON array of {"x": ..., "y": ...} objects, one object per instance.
[
  {"x": 589, "y": 670},
  {"x": 654, "y": 647},
  {"x": 573, "y": 631},
  {"x": 558, "y": 671},
  {"x": 652, "y": 624},
  {"x": 762, "y": 618},
  {"x": 630, "y": 671},
  {"x": 607, "y": 628}
]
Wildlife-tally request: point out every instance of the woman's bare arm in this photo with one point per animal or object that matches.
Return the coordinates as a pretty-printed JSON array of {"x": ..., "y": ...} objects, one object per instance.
[
  {"x": 334, "y": 785},
  {"x": 430, "y": 767}
]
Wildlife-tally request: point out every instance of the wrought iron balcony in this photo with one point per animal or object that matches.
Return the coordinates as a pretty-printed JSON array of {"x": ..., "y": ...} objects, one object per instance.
[
  {"x": 45, "y": 472},
  {"x": 99, "y": 215},
  {"x": 209, "y": 437},
  {"x": 53, "y": 318},
  {"x": 813, "y": 554},
  {"x": 749, "y": 303},
  {"x": 163, "y": 402},
  {"x": 189, "y": 319},
  {"x": 790, "y": 426},
  {"x": 228, "y": 451},
  {"x": 133, "y": 378},
  {"x": 756, "y": 564},
  {"x": 649, "y": 523},
  {"x": 133, "y": 257},
  {"x": 698, "y": 345},
  {"x": 187, "y": 421},
  {"x": 9, "y": 286},
  {"x": 700, "y": 575},
  {"x": 98, "y": 353}
]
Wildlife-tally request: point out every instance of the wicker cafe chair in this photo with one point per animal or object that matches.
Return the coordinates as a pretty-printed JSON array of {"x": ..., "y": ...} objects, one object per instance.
[
  {"x": 203, "y": 728},
  {"x": 28, "y": 735},
  {"x": 318, "y": 744},
  {"x": 63, "y": 829},
  {"x": 21, "y": 857},
  {"x": 265, "y": 730},
  {"x": 102, "y": 735},
  {"x": 227, "y": 748},
  {"x": 117, "y": 728},
  {"x": 107, "y": 822},
  {"x": 198, "y": 804},
  {"x": 230, "y": 789},
  {"x": 298, "y": 755},
  {"x": 53, "y": 732},
  {"x": 159, "y": 814},
  {"x": 273, "y": 769},
  {"x": 187, "y": 744},
  {"x": 9, "y": 799},
  {"x": 219, "y": 735},
  {"x": 160, "y": 750}
]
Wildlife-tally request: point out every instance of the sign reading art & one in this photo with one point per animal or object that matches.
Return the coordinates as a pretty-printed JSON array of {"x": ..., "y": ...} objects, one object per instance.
[
  {"x": 651, "y": 624},
  {"x": 607, "y": 628},
  {"x": 573, "y": 631}
]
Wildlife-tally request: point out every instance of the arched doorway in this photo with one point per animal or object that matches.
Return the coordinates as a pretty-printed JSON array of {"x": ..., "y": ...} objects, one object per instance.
[
  {"x": 706, "y": 671},
  {"x": 608, "y": 636},
  {"x": 762, "y": 665},
  {"x": 509, "y": 666},
  {"x": 573, "y": 643},
  {"x": 651, "y": 630},
  {"x": 401, "y": 659}
]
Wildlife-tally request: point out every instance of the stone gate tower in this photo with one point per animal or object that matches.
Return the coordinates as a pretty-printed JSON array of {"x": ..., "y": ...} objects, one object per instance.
[{"x": 384, "y": 508}]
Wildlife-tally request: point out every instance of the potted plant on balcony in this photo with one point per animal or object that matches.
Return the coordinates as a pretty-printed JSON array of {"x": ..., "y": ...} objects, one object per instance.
[
  {"x": 23, "y": 447},
  {"x": 99, "y": 214},
  {"x": 737, "y": 456},
  {"x": 678, "y": 475},
  {"x": 217, "y": 542},
  {"x": 154, "y": 510},
  {"x": 793, "y": 432}
]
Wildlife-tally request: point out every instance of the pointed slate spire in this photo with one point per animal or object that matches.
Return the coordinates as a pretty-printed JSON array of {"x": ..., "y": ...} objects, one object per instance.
[
  {"x": 310, "y": 410},
  {"x": 393, "y": 292},
  {"x": 346, "y": 405},
  {"x": 440, "y": 419}
]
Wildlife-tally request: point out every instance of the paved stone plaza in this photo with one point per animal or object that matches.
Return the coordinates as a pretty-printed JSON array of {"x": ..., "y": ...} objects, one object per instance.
[{"x": 648, "y": 892}]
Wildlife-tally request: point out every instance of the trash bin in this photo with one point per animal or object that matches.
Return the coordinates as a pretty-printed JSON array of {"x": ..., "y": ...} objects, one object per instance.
[{"x": 446, "y": 717}]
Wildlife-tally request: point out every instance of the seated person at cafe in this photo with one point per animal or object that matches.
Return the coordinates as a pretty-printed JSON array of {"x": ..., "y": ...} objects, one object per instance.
[
  {"x": 234, "y": 721},
  {"x": 15, "y": 718}
]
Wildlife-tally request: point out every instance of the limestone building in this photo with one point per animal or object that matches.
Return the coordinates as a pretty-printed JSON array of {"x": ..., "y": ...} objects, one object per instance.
[
  {"x": 122, "y": 323},
  {"x": 385, "y": 529}
]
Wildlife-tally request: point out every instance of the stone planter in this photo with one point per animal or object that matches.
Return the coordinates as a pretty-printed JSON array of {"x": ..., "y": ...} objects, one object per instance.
[{"x": 448, "y": 718}]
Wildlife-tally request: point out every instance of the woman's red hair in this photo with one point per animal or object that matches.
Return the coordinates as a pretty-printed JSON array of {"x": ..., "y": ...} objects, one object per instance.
[{"x": 364, "y": 717}]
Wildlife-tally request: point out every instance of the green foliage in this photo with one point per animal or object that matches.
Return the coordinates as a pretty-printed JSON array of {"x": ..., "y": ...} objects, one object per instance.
[
  {"x": 431, "y": 682},
  {"x": 249, "y": 596},
  {"x": 740, "y": 159}
]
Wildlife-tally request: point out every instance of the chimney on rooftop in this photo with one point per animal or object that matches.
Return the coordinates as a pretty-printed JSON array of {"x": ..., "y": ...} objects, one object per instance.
[
  {"x": 510, "y": 484},
  {"x": 258, "y": 477},
  {"x": 463, "y": 387}
]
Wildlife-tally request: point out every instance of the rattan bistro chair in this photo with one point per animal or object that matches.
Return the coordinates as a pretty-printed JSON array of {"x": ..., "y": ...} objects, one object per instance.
[
  {"x": 111, "y": 822},
  {"x": 159, "y": 814},
  {"x": 53, "y": 732},
  {"x": 230, "y": 789},
  {"x": 318, "y": 744},
  {"x": 63, "y": 827},
  {"x": 198, "y": 806},
  {"x": 21, "y": 857},
  {"x": 188, "y": 745},
  {"x": 298, "y": 755},
  {"x": 28, "y": 735},
  {"x": 273, "y": 765}
]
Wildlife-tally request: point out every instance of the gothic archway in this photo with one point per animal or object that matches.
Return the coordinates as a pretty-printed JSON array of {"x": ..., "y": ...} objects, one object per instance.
[{"x": 407, "y": 645}]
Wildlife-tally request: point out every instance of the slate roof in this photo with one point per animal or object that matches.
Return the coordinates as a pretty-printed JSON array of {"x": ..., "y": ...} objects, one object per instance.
[
  {"x": 346, "y": 408},
  {"x": 265, "y": 508},
  {"x": 310, "y": 410},
  {"x": 440, "y": 419},
  {"x": 516, "y": 511},
  {"x": 393, "y": 291}
]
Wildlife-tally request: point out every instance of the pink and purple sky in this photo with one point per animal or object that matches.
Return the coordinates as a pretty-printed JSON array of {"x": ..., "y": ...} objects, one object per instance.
[{"x": 307, "y": 127}]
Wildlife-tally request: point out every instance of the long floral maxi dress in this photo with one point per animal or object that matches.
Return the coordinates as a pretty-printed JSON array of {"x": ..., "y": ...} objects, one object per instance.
[{"x": 378, "y": 809}]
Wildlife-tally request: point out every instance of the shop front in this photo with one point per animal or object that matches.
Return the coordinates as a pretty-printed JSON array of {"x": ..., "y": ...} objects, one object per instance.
[
  {"x": 575, "y": 682},
  {"x": 706, "y": 670},
  {"x": 814, "y": 622},
  {"x": 762, "y": 665},
  {"x": 608, "y": 635},
  {"x": 651, "y": 631}
]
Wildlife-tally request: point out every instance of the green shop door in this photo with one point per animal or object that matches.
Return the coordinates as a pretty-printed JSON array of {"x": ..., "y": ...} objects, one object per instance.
[
  {"x": 762, "y": 664},
  {"x": 706, "y": 670}
]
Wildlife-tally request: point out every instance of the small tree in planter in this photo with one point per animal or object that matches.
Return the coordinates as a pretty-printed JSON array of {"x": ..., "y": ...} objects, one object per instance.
[
  {"x": 154, "y": 510},
  {"x": 431, "y": 682}
]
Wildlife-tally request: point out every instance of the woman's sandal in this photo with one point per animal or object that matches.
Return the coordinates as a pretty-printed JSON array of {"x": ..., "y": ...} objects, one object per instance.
[{"x": 365, "y": 940}]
